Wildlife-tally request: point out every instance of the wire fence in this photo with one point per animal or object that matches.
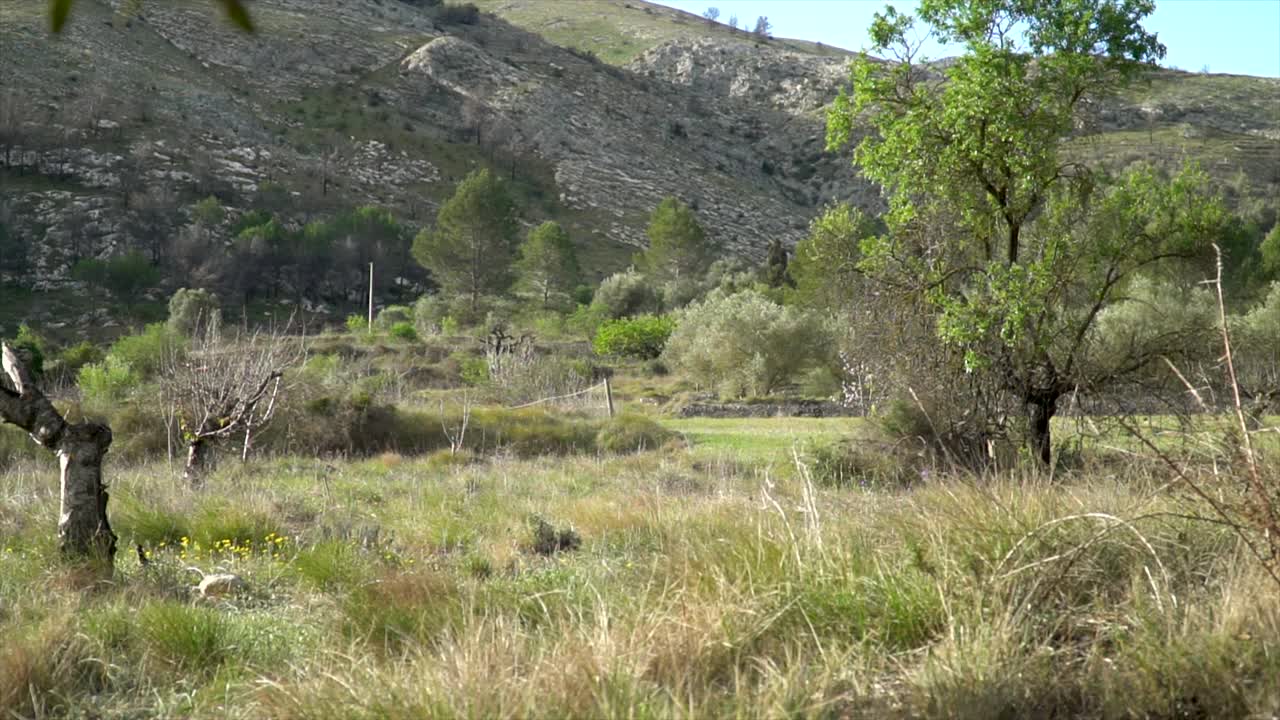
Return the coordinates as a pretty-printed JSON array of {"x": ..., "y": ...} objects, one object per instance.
[{"x": 597, "y": 398}]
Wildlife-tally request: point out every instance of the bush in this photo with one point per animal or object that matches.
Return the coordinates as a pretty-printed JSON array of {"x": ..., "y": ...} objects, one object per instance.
[
  {"x": 77, "y": 356},
  {"x": 465, "y": 14},
  {"x": 624, "y": 294},
  {"x": 190, "y": 309},
  {"x": 745, "y": 343},
  {"x": 147, "y": 352},
  {"x": 631, "y": 433},
  {"x": 404, "y": 331},
  {"x": 547, "y": 540},
  {"x": 641, "y": 338},
  {"x": 357, "y": 323},
  {"x": 393, "y": 315},
  {"x": 107, "y": 382},
  {"x": 28, "y": 342}
]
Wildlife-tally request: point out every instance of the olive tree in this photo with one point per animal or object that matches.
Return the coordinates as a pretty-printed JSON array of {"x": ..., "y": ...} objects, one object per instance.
[
  {"x": 1014, "y": 248},
  {"x": 83, "y": 529},
  {"x": 744, "y": 343}
]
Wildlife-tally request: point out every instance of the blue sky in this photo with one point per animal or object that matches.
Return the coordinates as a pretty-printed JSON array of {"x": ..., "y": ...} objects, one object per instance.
[{"x": 1227, "y": 36}]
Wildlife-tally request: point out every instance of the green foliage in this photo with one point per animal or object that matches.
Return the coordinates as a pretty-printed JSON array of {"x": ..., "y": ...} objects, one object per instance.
[
  {"x": 548, "y": 263},
  {"x": 191, "y": 309},
  {"x": 471, "y": 248},
  {"x": 209, "y": 212},
  {"x": 404, "y": 331},
  {"x": 641, "y": 337},
  {"x": 106, "y": 383},
  {"x": 678, "y": 246},
  {"x": 147, "y": 352},
  {"x": 1014, "y": 257},
  {"x": 73, "y": 358},
  {"x": 357, "y": 323},
  {"x": 825, "y": 267},
  {"x": 630, "y": 433},
  {"x": 125, "y": 276},
  {"x": 394, "y": 315},
  {"x": 1270, "y": 252},
  {"x": 744, "y": 344},
  {"x": 475, "y": 371},
  {"x": 774, "y": 271},
  {"x": 624, "y": 294},
  {"x": 33, "y": 346}
]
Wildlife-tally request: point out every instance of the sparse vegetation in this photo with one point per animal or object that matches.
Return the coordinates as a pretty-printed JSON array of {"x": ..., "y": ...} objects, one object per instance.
[{"x": 1008, "y": 450}]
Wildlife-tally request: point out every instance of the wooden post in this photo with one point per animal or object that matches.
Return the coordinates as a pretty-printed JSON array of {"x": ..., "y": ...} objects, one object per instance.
[
  {"x": 370, "y": 298},
  {"x": 608, "y": 394}
]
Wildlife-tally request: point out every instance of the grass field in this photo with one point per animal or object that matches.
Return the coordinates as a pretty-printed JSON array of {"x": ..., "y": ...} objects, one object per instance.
[{"x": 692, "y": 581}]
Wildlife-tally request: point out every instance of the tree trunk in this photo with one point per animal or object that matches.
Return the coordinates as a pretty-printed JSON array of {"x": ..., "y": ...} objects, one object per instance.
[
  {"x": 1040, "y": 412},
  {"x": 199, "y": 462},
  {"x": 83, "y": 530}
]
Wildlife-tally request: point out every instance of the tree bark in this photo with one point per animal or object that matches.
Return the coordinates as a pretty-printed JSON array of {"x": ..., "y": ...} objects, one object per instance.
[
  {"x": 1040, "y": 411},
  {"x": 83, "y": 529},
  {"x": 198, "y": 462}
]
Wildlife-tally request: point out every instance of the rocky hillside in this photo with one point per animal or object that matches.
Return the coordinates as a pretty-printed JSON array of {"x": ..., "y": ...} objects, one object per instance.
[{"x": 110, "y": 133}]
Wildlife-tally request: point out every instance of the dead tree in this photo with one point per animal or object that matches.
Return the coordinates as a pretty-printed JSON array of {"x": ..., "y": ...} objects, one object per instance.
[
  {"x": 83, "y": 530},
  {"x": 225, "y": 389}
]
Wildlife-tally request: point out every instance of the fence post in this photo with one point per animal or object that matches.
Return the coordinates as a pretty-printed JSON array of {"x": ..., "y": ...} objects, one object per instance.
[{"x": 608, "y": 394}]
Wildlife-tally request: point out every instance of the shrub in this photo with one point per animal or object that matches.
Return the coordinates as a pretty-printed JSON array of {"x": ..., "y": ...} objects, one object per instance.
[
  {"x": 393, "y": 315},
  {"x": 79, "y": 355},
  {"x": 631, "y": 433},
  {"x": 404, "y": 331},
  {"x": 744, "y": 343},
  {"x": 193, "y": 308},
  {"x": 626, "y": 293},
  {"x": 30, "y": 343},
  {"x": 107, "y": 382},
  {"x": 642, "y": 337},
  {"x": 547, "y": 540},
  {"x": 357, "y": 323},
  {"x": 147, "y": 351},
  {"x": 464, "y": 14}
]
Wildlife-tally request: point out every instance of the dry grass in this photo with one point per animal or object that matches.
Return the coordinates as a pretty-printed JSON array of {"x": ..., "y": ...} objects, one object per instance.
[{"x": 406, "y": 588}]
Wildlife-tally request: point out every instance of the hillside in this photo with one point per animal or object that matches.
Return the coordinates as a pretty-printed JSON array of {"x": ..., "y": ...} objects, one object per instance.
[{"x": 111, "y": 132}]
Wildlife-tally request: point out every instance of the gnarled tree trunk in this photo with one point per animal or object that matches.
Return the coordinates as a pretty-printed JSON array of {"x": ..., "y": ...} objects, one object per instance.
[{"x": 83, "y": 529}]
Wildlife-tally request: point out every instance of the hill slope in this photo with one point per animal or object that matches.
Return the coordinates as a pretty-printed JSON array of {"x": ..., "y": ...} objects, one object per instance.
[{"x": 110, "y": 133}]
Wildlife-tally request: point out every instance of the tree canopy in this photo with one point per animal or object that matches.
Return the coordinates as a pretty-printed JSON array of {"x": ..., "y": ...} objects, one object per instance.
[
  {"x": 548, "y": 263},
  {"x": 471, "y": 248},
  {"x": 678, "y": 246},
  {"x": 1014, "y": 247}
]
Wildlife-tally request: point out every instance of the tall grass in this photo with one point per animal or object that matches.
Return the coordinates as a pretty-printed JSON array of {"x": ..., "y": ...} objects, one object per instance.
[{"x": 404, "y": 587}]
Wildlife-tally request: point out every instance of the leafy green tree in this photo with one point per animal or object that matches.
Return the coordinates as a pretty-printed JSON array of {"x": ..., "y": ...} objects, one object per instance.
[
  {"x": 678, "y": 246},
  {"x": 624, "y": 294},
  {"x": 744, "y": 344},
  {"x": 471, "y": 248},
  {"x": 548, "y": 263},
  {"x": 1270, "y": 252},
  {"x": 824, "y": 270},
  {"x": 125, "y": 276},
  {"x": 191, "y": 309},
  {"x": 1013, "y": 248}
]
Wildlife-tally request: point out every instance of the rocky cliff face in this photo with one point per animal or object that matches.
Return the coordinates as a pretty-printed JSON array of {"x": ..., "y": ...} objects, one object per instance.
[{"x": 110, "y": 133}]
